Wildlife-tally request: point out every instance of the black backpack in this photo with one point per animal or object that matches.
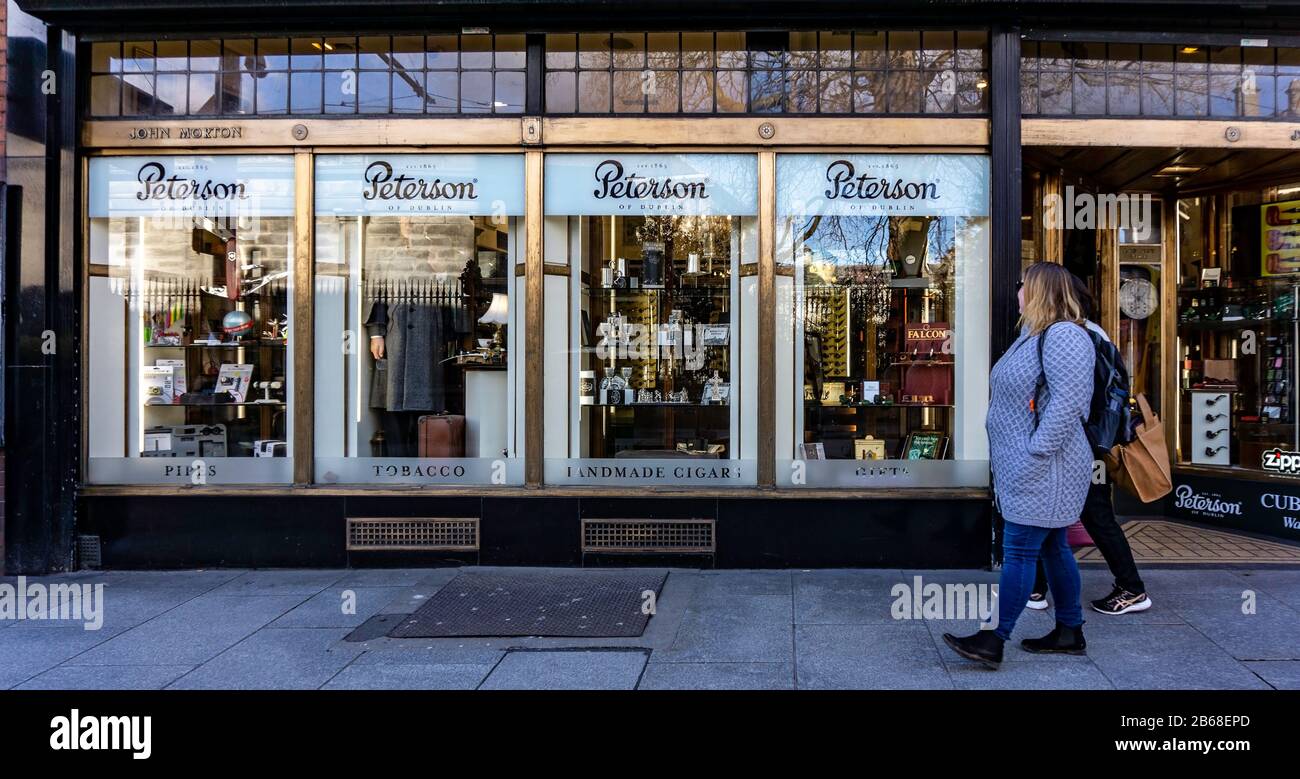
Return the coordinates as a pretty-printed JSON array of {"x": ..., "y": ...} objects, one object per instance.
[{"x": 1108, "y": 414}]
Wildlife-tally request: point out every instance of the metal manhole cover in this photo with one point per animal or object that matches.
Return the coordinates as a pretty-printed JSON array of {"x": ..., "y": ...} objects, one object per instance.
[{"x": 600, "y": 604}]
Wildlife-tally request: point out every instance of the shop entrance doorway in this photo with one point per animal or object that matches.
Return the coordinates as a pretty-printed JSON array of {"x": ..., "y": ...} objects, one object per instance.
[{"x": 1192, "y": 256}]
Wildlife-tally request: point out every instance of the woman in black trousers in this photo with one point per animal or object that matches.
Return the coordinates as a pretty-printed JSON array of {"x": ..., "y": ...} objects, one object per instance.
[{"x": 1129, "y": 594}]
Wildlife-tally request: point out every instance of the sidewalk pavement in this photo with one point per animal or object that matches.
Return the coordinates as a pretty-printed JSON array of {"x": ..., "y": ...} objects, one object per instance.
[{"x": 820, "y": 629}]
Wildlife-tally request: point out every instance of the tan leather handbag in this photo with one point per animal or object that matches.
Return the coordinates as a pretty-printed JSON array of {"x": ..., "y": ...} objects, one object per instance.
[{"x": 1141, "y": 466}]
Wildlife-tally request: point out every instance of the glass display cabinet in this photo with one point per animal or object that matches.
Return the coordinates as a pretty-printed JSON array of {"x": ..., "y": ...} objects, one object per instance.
[
  {"x": 657, "y": 354},
  {"x": 1237, "y": 333}
]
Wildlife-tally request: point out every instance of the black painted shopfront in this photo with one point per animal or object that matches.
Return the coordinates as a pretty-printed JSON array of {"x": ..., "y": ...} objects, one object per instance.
[{"x": 705, "y": 284}]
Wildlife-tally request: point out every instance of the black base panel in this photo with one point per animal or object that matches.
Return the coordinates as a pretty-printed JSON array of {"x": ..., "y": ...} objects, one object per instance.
[
  {"x": 1269, "y": 508},
  {"x": 409, "y": 559},
  {"x": 186, "y": 531},
  {"x": 639, "y": 560}
]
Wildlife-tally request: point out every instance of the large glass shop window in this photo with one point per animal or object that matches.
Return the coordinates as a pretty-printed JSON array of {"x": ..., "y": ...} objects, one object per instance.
[
  {"x": 416, "y": 259},
  {"x": 882, "y": 329},
  {"x": 190, "y": 292},
  {"x": 651, "y": 328}
]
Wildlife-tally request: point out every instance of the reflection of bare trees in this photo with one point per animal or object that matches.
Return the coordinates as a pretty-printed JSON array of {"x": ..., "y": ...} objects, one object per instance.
[
  {"x": 860, "y": 255},
  {"x": 1157, "y": 87},
  {"x": 802, "y": 79},
  {"x": 934, "y": 88}
]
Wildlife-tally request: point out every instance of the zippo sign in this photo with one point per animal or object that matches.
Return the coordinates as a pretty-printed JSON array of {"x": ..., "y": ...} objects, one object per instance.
[
  {"x": 1258, "y": 506},
  {"x": 1284, "y": 463}
]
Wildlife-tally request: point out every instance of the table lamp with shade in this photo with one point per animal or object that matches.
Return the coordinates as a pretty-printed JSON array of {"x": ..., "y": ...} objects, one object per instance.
[{"x": 498, "y": 315}]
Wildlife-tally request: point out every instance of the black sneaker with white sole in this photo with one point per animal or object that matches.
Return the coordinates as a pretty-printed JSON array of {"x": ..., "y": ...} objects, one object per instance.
[
  {"x": 1037, "y": 601},
  {"x": 1121, "y": 601}
]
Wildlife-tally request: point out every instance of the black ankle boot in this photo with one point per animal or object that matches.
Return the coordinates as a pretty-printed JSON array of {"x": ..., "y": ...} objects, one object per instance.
[
  {"x": 983, "y": 647},
  {"x": 1062, "y": 640}
]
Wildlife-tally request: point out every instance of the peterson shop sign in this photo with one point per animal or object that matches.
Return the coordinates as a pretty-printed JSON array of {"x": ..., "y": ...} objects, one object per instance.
[
  {"x": 402, "y": 184},
  {"x": 649, "y": 184},
  {"x": 882, "y": 184},
  {"x": 1267, "y": 507},
  {"x": 218, "y": 185}
]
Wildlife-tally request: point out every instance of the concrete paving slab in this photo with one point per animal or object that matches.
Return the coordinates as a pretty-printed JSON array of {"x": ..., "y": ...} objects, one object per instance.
[
  {"x": 280, "y": 582},
  {"x": 581, "y": 670},
  {"x": 1283, "y": 585},
  {"x": 895, "y": 656},
  {"x": 1278, "y": 674},
  {"x": 274, "y": 659},
  {"x": 1256, "y": 628},
  {"x": 838, "y": 597},
  {"x": 717, "y": 637},
  {"x": 339, "y": 606},
  {"x": 193, "y": 632},
  {"x": 1171, "y": 657},
  {"x": 106, "y": 677},
  {"x": 26, "y": 653},
  {"x": 718, "y": 676},
  {"x": 1017, "y": 674},
  {"x": 759, "y": 596},
  {"x": 386, "y": 577},
  {"x": 409, "y": 676}
]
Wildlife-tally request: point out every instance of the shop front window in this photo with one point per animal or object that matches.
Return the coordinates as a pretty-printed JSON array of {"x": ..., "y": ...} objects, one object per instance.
[
  {"x": 1237, "y": 332},
  {"x": 416, "y": 259},
  {"x": 191, "y": 296},
  {"x": 882, "y": 320},
  {"x": 651, "y": 332}
]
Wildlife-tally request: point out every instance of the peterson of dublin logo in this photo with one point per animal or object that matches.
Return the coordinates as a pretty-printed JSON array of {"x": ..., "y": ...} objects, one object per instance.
[
  {"x": 847, "y": 184},
  {"x": 155, "y": 184},
  {"x": 618, "y": 183},
  {"x": 384, "y": 185}
]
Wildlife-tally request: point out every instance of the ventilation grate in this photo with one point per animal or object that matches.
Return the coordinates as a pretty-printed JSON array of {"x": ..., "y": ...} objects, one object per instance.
[
  {"x": 412, "y": 534},
  {"x": 88, "y": 552},
  {"x": 695, "y": 536}
]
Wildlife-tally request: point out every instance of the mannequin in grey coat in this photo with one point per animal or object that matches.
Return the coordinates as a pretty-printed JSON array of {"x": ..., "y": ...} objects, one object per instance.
[{"x": 412, "y": 338}]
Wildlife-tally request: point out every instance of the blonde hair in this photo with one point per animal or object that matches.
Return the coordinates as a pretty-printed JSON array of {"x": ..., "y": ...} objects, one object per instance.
[{"x": 1049, "y": 298}]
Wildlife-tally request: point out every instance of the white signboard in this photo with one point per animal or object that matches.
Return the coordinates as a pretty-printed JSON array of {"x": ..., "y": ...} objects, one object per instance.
[
  {"x": 651, "y": 184},
  {"x": 882, "y": 185},
  {"x": 212, "y": 186},
  {"x": 452, "y": 184}
]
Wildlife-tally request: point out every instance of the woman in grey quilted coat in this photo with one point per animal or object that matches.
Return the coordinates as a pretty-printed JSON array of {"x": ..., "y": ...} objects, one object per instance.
[{"x": 1041, "y": 461}]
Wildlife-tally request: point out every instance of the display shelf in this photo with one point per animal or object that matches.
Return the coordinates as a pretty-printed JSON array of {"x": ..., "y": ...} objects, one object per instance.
[
  {"x": 656, "y": 405},
  {"x": 252, "y": 345},
  {"x": 1239, "y": 324},
  {"x": 271, "y": 404},
  {"x": 709, "y": 291}
]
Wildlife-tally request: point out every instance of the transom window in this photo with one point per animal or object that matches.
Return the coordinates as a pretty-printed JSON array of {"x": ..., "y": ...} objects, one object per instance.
[
  {"x": 897, "y": 72},
  {"x": 400, "y": 74},
  {"x": 1132, "y": 79}
]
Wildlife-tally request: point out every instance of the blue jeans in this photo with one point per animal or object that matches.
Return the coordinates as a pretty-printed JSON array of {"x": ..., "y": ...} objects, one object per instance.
[{"x": 1022, "y": 546}]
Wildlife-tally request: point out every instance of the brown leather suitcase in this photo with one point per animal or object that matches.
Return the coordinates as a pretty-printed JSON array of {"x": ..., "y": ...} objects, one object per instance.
[{"x": 441, "y": 435}]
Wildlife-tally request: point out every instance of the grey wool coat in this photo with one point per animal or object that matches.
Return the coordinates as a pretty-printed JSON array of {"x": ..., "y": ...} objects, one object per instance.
[
  {"x": 411, "y": 377},
  {"x": 1041, "y": 475}
]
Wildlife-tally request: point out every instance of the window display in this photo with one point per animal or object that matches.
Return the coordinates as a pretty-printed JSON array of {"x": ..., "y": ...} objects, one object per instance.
[
  {"x": 1237, "y": 329},
  {"x": 415, "y": 263},
  {"x": 191, "y": 301},
  {"x": 658, "y": 347},
  {"x": 882, "y": 310}
]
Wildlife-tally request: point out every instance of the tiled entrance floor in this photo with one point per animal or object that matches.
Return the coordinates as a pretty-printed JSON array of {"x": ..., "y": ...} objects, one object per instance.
[{"x": 1160, "y": 541}]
